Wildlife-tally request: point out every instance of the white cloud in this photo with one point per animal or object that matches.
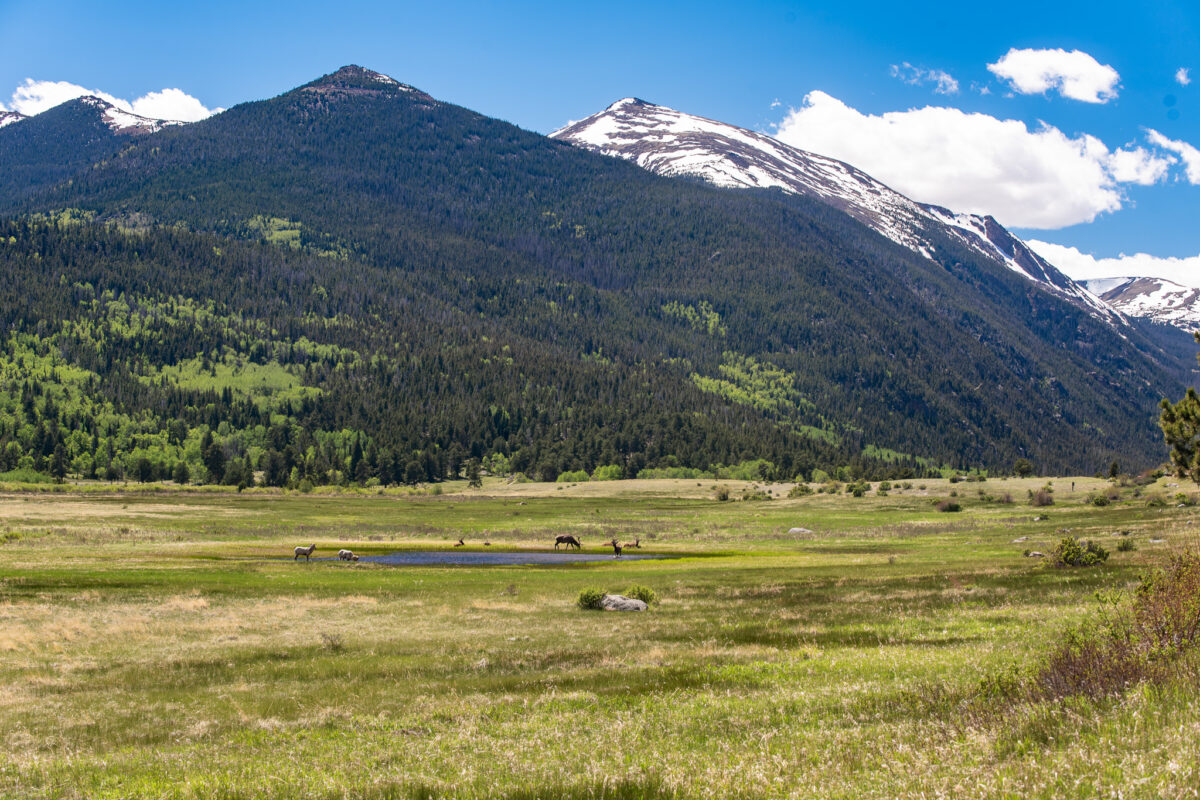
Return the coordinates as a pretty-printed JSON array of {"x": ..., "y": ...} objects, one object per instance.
[
  {"x": 1138, "y": 166},
  {"x": 1082, "y": 266},
  {"x": 1074, "y": 74},
  {"x": 33, "y": 97},
  {"x": 1182, "y": 77},
  {"x": 974, "y": 162},
  {"x": 1189, "y": 154},
  {"x": 943, "y": 82}
]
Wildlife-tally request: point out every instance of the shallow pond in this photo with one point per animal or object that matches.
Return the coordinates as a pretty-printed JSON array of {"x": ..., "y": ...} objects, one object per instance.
[{"x": 429, "y": 558}]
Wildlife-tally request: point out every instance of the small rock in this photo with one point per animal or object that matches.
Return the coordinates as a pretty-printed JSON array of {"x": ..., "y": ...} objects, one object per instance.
[
  {"x": 618, "y": 602},
  {"x": 1157, "y": 541},
  {"x": 797, "y": 531},
  {"x": 1035, "y": 554},
  {"x": 1020, "y": 539}
]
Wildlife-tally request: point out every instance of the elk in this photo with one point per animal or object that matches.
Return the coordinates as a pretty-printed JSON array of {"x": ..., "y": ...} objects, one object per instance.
[
  {"x": 617, "y": 548},
  {"x": 567, "y": 539},
  {"x": 459, "y": 543},
  {"x": 304, "y": 551}
]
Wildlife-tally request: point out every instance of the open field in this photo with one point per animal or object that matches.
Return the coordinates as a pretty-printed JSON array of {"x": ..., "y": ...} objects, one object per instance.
[{"x": 165, "y": 644}]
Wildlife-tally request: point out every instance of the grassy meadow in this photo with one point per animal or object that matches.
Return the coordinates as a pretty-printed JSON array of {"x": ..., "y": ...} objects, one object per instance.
[{"x": 164, "y": 644}]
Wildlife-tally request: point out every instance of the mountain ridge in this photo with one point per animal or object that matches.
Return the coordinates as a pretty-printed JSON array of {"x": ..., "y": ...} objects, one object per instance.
[
  {"x": 1157, "y": 299},
  {"x": 791, "y": 310},
  {"x": 674, "y": 143}
]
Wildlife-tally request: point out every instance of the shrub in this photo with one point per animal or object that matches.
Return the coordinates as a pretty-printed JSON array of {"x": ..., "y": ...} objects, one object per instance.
[
  {"x": 1100, "y": 500},
  {"x": 800, "y": 490},
  {"x": 1124, "y": 646},
  {"x": 1126, "y": 546},
  {"x": 643, "y": 593},
  {"x": 575, "y": 476},
  {"x": 955, "y": 478},
  {"x": 721, "y": 493},
  {"x": 1156, "y": 500},
  {"x": 1041, "y": 498},
  {"x": 885, "y": 486},
  {"x": 1005, "y": 498},
  {"x": 1072, "y": 552},
  {"x": 948, "y": 506},
  {"x": 609, "y": 472},
  {"x": 755, "y": 493},
  {"x": 589, "y": 599}
]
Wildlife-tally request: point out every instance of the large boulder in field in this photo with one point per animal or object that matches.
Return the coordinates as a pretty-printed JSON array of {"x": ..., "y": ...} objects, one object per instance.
[{"x": 618, "y": 602}]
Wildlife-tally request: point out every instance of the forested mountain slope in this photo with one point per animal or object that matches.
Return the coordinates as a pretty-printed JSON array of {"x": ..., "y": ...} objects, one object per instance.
[{"x": 751, "y": 315}]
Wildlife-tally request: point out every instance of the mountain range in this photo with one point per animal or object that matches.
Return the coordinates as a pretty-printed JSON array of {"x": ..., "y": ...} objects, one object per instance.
[
  {"x": 355, "y": 280},
  {"x": 673, "y": 143}
]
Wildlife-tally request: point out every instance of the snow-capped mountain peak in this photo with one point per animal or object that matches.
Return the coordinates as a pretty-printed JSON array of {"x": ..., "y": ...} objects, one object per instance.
[
  {"x": 9, "y": 117},
  {"x": 1157, "y": 299},
  {"x": 121, "y": 121},
  {"x": 673, "y": 143}
]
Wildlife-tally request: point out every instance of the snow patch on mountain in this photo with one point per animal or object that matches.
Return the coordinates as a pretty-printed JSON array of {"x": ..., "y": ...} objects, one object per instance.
[
  {"x": 671, "y": 143},
  {"x": 120, "y": 121},
  {"x": 9, "y": 117},
  {"x": 1156, "y": 299}
]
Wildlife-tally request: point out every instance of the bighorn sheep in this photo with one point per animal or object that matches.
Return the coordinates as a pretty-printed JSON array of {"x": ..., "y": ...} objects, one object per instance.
[
  {"x": 305, "y": 551},
  {"x": 567, "y": 539},
  {"x": 347, "y": 555}
]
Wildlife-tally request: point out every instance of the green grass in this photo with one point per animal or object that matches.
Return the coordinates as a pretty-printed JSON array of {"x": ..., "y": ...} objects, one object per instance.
[{"x": 164, "y": 644}]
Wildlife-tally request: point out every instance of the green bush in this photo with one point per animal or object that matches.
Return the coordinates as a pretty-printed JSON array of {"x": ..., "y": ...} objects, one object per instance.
[
  {"x": 589, "y": 599},
  {"x": 1126, "y": 546},
  {"x": 643, "y": 593},
  {"x": 609, "y": 472},
  {"x": 1072, "y": 552},
  {"x": 1100, "y": 500},
  {"x": 25, "y": 475},
  {"x": 800, "y": 490},
  {"x": 575, "y": 476},
  {"x": 948, "y": 506}
]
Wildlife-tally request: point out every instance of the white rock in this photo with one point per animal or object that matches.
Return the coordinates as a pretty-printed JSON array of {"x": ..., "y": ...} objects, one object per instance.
[{"x": 617, "y": 602}]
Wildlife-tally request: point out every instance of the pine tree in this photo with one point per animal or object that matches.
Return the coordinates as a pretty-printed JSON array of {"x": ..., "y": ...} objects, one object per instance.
[{"x": 1180, "y": 424}]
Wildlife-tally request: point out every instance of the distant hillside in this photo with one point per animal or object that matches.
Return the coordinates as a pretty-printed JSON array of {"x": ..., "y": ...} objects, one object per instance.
[{"x": 725, "y": 325}]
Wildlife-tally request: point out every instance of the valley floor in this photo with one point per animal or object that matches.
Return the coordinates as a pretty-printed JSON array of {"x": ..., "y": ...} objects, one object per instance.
[{"x": 166, "y": 645}]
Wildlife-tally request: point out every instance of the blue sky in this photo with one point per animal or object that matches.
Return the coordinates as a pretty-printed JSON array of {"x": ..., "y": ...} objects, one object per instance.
[{"x": 541, "y": 64}]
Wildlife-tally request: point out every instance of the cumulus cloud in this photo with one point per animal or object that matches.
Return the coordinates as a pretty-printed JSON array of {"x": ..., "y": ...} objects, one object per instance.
[
  {"x": 1038, "y": 178},
  {"x": 1073, "y": 74},
  {"x": 1083, "y": 266},
  {"x": 943, "y": 82},
  {"x": 33, "y": 97},
  {"x": 1189, "y": 154},
  {"x": 1182, "y": 77}
]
